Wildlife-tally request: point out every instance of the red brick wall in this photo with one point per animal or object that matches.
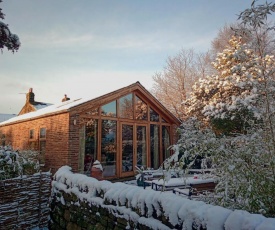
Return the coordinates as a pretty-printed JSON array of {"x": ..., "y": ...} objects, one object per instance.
[
  {"x": 58, "y": 139},
  {"x": 74, "y": 142}
]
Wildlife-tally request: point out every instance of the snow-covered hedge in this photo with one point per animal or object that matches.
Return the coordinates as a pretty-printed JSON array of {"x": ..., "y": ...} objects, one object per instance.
[
  {"x": 154, "y": 209},
  {"x": 14, "y": 163}
]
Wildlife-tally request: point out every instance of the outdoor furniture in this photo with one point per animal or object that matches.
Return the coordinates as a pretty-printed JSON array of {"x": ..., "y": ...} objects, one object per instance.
[
  {"x": 184, "y": 183},
  {"x": 195, "y": 189}
]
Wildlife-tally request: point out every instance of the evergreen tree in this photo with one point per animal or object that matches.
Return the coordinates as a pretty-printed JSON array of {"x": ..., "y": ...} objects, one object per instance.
[{"x": 7, "y": 39}]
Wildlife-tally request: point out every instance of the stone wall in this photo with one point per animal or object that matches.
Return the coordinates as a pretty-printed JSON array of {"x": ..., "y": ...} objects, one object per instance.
[
  {"x": 81, "y": 202},
  {"x": 24, "y": 202}
]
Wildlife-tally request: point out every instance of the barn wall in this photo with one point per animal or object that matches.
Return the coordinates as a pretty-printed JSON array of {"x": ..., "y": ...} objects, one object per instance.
[{"x": 57, "y": 138}]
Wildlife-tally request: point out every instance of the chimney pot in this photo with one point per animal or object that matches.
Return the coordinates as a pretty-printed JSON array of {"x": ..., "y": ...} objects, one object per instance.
[{"x": 65, "y": 98}]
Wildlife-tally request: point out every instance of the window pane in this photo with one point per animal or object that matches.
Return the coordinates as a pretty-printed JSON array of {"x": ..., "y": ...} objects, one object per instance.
[
  {"x": 90, "y": 144},
  {"x": 42, "y": 147},
  {"x": 154, "y": 146},
  {"x": 165, "y": 142},
  {"x": 153, "y": 115},
  {"x": 31, "y": 134},
  {"x": 126, "y": 106},
  {"x": 108, "y": 147},
  {"x": 93, "y": 112},
  {"x": 141, "y": 109},
  {"x": 163, "y": 120},
  {"x": 109, "y": 109},
  {"x": 42, "y": 133},
  {"x": 127, "y": 148},
  {"x": 33, "y": 145},
  {"x": 141, "y": 146},
  {"x": 3, "y": 139}
]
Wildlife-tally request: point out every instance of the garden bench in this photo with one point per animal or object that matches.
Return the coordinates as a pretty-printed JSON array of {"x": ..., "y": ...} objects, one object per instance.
[
  {"x": 180, "y": 183},
  {"x": 194, "y": 189}
]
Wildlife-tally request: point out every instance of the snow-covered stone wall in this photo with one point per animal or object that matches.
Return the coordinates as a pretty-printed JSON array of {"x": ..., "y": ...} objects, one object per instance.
[
  {"x": 81, "y": 202},
  {"x": 24, "y": 202}
]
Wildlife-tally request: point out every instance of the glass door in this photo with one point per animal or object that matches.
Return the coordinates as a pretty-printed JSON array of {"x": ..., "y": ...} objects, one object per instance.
[
  {"x": 133, "y": 147},
  {"x": 141, "y": 146},
  {"x": 127, "y": 145}
]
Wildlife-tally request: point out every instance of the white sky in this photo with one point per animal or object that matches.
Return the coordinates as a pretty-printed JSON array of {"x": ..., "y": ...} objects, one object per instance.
[{"x": 87, "y": 48}]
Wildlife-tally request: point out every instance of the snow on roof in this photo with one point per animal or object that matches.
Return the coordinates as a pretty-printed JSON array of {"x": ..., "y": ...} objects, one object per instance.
[
  {"x": 4, "y": 116},
  {"x": 62, "y": 106},
  {"x": 41, "y": 105}
]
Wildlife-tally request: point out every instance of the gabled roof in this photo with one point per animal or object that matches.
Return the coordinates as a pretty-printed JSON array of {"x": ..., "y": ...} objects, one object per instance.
[{"x": 69, "y": 105}]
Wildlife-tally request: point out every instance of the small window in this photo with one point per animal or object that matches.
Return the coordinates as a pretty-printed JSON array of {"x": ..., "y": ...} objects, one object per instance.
[
  {"x": 42, "y": 133},
  {"x": 42, "y": 147},
  {"x": 3, "y": 139},
  {"x": 32, "y": 134}
]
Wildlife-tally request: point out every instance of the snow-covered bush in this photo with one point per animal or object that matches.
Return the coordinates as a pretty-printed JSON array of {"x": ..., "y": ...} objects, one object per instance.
[
  {"x": 15, "y": 163},
  {"x": 194, "y": 147},
  {"x": 230, "y": 100},
  {"x": 245, "y": 170}
]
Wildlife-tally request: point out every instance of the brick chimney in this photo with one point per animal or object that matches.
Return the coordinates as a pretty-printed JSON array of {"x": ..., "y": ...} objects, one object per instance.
[{"x": 30, "y": 96}]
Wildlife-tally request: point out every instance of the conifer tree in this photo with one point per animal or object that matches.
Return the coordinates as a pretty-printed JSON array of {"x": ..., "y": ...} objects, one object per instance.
[{"x": 7, "y": 39}]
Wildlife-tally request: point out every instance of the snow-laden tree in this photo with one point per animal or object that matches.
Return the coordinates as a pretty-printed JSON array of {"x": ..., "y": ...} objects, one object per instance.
[
  {"x": 240, "y": 101},
  {"x": 235, "y": 97},
  {"x": 174, "y": 83},
  {"x": 7, "y": 39},
  {"x": 228, "y": 99}
]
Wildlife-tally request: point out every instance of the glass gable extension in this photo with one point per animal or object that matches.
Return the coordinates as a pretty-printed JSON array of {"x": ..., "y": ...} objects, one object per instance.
[{"x": 125, "y": 133}]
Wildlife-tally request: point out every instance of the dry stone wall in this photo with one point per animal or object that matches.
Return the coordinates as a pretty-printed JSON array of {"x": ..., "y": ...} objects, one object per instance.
[
  {"x": 81, "y": 202},
  {"x": 24, "y": 202}
]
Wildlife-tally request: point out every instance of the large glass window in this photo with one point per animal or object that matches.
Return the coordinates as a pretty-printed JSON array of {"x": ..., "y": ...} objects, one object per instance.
[
  {"x": 108, "y": 147},
  {"x": 165, "y": 142},
  {"x": 127, "y": 148},
  {"x": 109, "y": 109},
  {"x": 141, "y": 146},
  {"x": 154, "y": 116},
  {"x": 154, "y": 146},
  {"x": 126, "y": 106},
  {"x": 141, "y": 109},
  {"x": 91, "y": 137}
]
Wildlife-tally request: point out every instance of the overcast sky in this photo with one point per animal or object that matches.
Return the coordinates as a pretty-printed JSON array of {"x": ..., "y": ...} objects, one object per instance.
[{"x": 86, "y": 48}]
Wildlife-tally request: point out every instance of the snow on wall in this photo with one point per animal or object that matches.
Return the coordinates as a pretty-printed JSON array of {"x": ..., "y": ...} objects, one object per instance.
[{"x": 155, "y": 209}]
